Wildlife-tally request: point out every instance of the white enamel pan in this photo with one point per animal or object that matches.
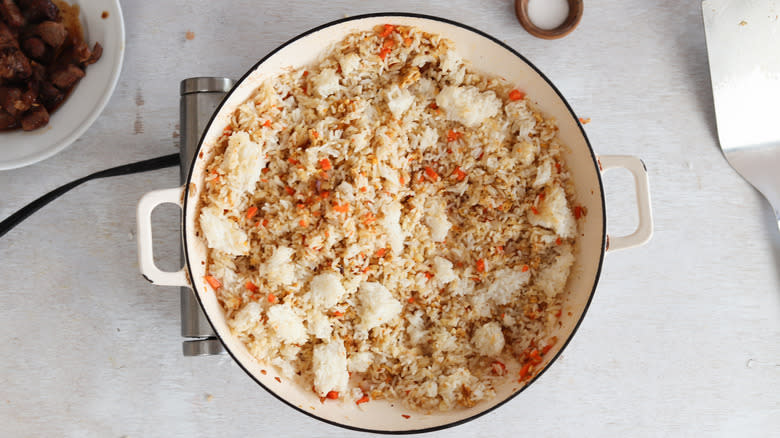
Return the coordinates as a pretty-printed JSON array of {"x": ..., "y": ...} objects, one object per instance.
[{"x": 486, "y": 54}]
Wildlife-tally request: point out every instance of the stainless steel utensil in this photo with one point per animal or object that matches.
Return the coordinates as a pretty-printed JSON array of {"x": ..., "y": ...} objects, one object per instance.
[{"x": 743, "y": 44}]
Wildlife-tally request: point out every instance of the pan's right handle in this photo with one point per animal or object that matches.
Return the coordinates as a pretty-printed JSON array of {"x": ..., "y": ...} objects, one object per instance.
[
  {"x": 644, "y": 230},
  {"x": 149, "y": 270}
]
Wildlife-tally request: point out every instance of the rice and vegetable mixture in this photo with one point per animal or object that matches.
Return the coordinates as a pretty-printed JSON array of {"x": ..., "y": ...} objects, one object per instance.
[{"x": 390, "y": 223}]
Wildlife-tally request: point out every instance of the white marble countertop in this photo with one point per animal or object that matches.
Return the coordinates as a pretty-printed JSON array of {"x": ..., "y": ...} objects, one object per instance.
[{"x": 681, "y": 339}]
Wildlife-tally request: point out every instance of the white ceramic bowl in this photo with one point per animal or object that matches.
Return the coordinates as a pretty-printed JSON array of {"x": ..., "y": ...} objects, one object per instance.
[
  {"x": 486, "y": 54},
  {"x": 87, "y": 100}
]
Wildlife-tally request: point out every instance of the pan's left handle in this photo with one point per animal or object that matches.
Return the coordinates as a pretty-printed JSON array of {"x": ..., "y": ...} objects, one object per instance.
[{"x": 149, "y": 270}]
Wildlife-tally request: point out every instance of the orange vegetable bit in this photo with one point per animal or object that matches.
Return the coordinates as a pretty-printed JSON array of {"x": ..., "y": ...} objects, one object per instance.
[
  {"x": 380, "y": 252},
  {"x": 388, "y": 29},
  {"x": 293, "y": 161},
  {"x": 315, "y": 134},
  {"x": 534, "y": 210},
  {"x": 453, "y": 135},
  {"x": 251, "y": 212},
  {"x": 584, "y": 120},
  {"x": 459, "y": 174},
  {"x": 336, "y": 314},
  {"x": 481, "y": 265},
  {"x": 577, "y": 212},
  {"x": 368, "y": 218},
  {"x": 267, "y": 123},
  {"x": 343, "y": 208},
  {"x": 271, "y": 298},
  {"x": 251, "y": 286},
  {"x": 363, "y": 399},
  {"x": 215, "y": 284},
  {"x": 306, "y": 73},
  {"x": 325, "y": 164},
  {"x": 324, "y": 194},
  {"x": 498, "y": 368},
  {"x": 525, "y": 371},
  {"x": 431, "y": 173},
  {"x": 558, "y": 241},
  {"x": 303, "y": 223},
  {"x": 428, "y": 275},
  {"x": 408, "y": 42},
  {"x": 525, "y": 268},
  {"x": 333, "y": 395},
  {"x": 406, "y": 416},
  {"x": 535, "y": 357},
  {"x": 290, "y": 190},
  {"x": 410, "y": 300},
  {"x": 265, "y": 222},
  {"x": 516, "y": 94},
  {"x": 387, "y": 46}
]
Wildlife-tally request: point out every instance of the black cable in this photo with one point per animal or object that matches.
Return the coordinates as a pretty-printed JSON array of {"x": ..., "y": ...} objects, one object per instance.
[{"x": 141, "y": 166}]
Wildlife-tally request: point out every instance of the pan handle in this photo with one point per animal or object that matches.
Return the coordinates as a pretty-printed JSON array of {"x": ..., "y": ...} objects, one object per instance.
[
  {"x": 644, "y": 230},
  {"x": 149, "y": 270}
]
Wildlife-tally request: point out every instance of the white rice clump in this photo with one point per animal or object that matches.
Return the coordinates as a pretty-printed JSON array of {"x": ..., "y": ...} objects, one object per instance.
[{"x": 389, "y": 223}]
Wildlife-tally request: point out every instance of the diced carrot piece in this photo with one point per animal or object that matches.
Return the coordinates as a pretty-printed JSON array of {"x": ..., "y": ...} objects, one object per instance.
[
  {"x": 431, "y": 173},
  {"x": 525, "y": 268},
  {"x": 524, "y": 371},
  {"x": 343, "y": 208},
  {"x": 481, "y": 265},
  {"x": 516, "y": 94},
  {"x": 251, "y": 212},
  {"x": 333, "y": 395},
  {"x": 380, "y": 252},
  {"x": 290, "y": 190},
  {"x": 408, "y": 42},
  {"x": 271, "y": 298},
  {"x": 267, "y": 123},
  {"x": 265, "y": 222},
  {"x": 250, "y": 286},
  {"x": 302, "y": 223},
  {"x": 215, "y": 284},
  {"x": 459, "y": 174},
  {"x": 337, "y": 314},
  {"x": 363, "y": 399},
  {"x": 577, "y": 212},
  {"x": 389, "y": 28},
  {"x": 453, "y": 135},
  {"x": 325, "y": 164}
]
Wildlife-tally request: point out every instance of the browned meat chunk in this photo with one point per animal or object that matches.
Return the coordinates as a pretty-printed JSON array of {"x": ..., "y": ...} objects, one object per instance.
[
  {"x": 65, "y": 78},
  {"x": 7, "y": 38},
  {"x": 11, "y": 14},
  {"x": 39, "y": 10},
  {"x": 51, "y": 32},
  {"x": 35, "y": 118},
  {"x": 34, "y": 47},
  {"x": 97, "y": 52},
  {"x": 7, "y": 121},
  {"x": 10, "y": 98},
  {"x": 13, "y": 64},
  {"x": 50, "y": 96}
]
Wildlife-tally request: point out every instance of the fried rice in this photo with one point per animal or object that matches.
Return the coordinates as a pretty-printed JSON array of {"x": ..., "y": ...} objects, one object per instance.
[{"x": 391, "y": 223}]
